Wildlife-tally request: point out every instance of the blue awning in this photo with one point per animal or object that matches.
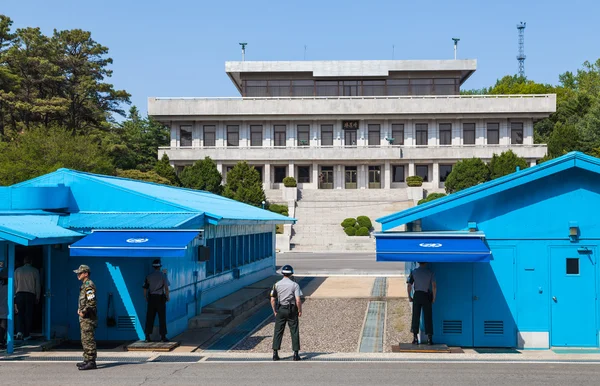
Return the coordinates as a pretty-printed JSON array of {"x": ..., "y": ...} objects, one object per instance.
[
  {"x": 144, "y": 243},
  {"x": 451, "y": 247}
]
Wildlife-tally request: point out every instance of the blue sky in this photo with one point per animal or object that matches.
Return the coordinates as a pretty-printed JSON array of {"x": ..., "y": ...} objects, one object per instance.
[{"x": 179, "y": 47}]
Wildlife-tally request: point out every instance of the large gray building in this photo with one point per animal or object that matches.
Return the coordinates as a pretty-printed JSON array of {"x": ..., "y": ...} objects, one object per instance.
[{"x": 350, "y": 124}]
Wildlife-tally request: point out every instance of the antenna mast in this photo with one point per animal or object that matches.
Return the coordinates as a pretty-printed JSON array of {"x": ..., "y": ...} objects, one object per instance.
[
  {"x": 456, "y": 40},
  {"x": 243, "y": 51},
  {"x": 521, "y": 56}
]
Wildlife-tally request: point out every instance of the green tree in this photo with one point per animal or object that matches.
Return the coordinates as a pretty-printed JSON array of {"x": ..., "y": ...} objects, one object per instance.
[
  {"x": 431, "y": 197},
  {"x": 149, "y": 176},
  {"x": 42, "y": 150},
  {"x": 564, "y": 139},
  {"x": 202, "y": 175},
  {"x": 505, "y": 163},
  {"x": 164, "y": 169},
  {"x": 466, "y": 173},
  {"x": 244, "y": 185}
]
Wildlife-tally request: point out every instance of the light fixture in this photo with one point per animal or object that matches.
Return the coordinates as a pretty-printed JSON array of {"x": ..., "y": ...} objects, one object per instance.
[
  {"x": 472, "y": 225},
  {"x": 573, "y": 230}
]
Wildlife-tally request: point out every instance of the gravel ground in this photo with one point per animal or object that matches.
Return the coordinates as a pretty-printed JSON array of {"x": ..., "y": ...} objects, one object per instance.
[
  {"x": 397, "y": 327},
  {"x": 326, "y": 325}
]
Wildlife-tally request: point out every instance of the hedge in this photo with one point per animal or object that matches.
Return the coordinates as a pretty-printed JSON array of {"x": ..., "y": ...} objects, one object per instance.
[
  {"x": 281, "y": 209},
  {"x": 289, "y": 182},
  {"x": 362, "y": 231},
  {"x": 349, "y": 222},
  {"x": 364, "y": 221},
  {"x": 431, "y": 197},
  {"x": 414, "y": 181},
  {"x": 350, "y": 231}
]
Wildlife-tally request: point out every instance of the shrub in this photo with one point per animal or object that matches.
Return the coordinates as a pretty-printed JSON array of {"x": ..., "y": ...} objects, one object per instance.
[
  {"x": 505, "y": 164},
  {"x": 431, "y": 197},
  {"x": 362, "y": 231},
  {"x": 466, "y": 173},
  {"x": 281, "y": 209},
  {"x": 414, "y": 181},
  {"x": 364, "y": 221},
  {"x": 244, "y": 185},
  {"x": 350, "y": 231},
  {"x": 289, "y": 182},
  {"x": 349, "y": 222}
]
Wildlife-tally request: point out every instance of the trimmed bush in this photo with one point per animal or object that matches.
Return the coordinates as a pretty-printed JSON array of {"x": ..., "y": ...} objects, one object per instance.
[
  {"x": 414, "y": 181},
  {"x": 279, "y": 229},
  {"x": 350, "y": 231},
  {"x": 289, "y": 182},
  {"x": 281, "y": 209},
  {"x": 364, "y": 221},
  {"x": 362, "y": 231},
  {"x": 431, "y": 197},
  {"x": 349, "y": 222}
]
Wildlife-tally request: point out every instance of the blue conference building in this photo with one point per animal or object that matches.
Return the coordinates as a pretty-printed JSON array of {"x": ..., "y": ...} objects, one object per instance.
[
  {"x": 210, "y": 246},
  {"x": 516, "y": 258}
]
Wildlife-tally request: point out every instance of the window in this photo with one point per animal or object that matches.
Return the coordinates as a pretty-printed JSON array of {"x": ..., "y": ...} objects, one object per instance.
[
  {"x": 572, "y": 266},
  {"x": 398, "y": 87},
  {"x": 398, "y": 173},
  {"x": 303, "y": 88},
  {"x": 327, "y": 88},
  {"x": 445, "y": 134},
  {"x": 233, "y": 135},
  {"x": 374, "y": 135},
  {"x": 444, "y": 87},
  {"x": 444, "y": 171},
  {"x": 423, "y": 172},
  {"x": 350, "y": 88},
  {"x": 185, "y": 136},
  {"x": 493, "y": 133},
  {"x": 280, "y": 174},
  {"x": 374, "y": 177},
  {"x": 421, "y": 131},
  {"x": 398, "y": 134},
  {"x": 256, "y": 88},
  {"x": 516, "y": 133},
  {"x": 468, "y": 134},
  {"x": 421, "y": 86},
  {"x": 279, "y": 88},
  {"x": 349, "y": 137},
  {"x": 326, "y": 135},
  {"x": 279, "y": 135},
  {"x": 256, "y": 132},
  {"x": 374, "y": 87},
  {"x": 304, "y": 174},
  {"x": 303, "y": 135},
  {"x": 209, "y": 135}
]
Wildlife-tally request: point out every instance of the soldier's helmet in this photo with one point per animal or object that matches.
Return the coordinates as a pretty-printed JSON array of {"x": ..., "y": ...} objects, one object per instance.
[{"x": 287, "y": 270}]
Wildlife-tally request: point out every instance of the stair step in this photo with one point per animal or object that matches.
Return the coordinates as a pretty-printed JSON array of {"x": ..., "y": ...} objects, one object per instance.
[{"x": 209, "y": 320}]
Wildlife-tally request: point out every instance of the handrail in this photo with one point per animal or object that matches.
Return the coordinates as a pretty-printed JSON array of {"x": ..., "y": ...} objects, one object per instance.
[
  {"x": 354, "y": 147},
  {"x": 489, "y": 96}
]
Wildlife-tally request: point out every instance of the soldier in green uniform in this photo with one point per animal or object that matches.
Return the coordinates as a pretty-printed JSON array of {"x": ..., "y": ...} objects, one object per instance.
[
  {"x": 88, "y": 317},
  {"x": 287, "y": 307}
]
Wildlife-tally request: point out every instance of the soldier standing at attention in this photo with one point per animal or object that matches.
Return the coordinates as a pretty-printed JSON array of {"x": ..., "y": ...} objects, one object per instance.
[
  {"x": 156, "y": 292},
  {"x": 88, "y": 317},
  {"x": 423, "y": 282},
  {"x": 287, "y": 309}
]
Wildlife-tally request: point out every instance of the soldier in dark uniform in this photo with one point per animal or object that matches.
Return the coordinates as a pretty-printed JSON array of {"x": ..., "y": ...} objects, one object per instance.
[
  {"x": 156, "y": 292},
  {"x": 287, "y": 307},
  {"x": 422, "y": 280},
  {"x": 88, "y": 317}
]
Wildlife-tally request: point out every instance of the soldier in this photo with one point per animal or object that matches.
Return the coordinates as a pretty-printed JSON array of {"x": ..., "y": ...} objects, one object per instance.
[
  {"x": 423, "y": 281},
  {"x": 88, "y": 317},
  {"x": 156, "y": 292},
  {"x": 287, "y": 310}
]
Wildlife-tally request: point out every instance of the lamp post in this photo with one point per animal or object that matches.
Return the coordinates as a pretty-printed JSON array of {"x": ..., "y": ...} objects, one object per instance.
[
  {"x": 455, "y": 44},
  {"x": 263, "y": 204}
]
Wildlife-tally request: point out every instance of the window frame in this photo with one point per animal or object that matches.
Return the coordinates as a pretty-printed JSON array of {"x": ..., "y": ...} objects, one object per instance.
[
  {"x": 231, "y": 130},
  {"x": 400, "y": 139},
  {"x": 445, "y": 128},
  {"x": 420, "y": 167},
  {"x": 443, "y": 178},
  {"x": 305, "y": 131},
  {"x": 328, "y": 126},
  {"x": 301, "y": 179},
  {"x": 422, "y": 129},
  {"x": 491, "y": 129},
  {"x": 189, "y": 130},
  {"x": 374, "y": 134},
  {"x": 256, "y": 129},
  {"x": 206, "y": 129},
  {"x": 394, "y": 173},
  {"x": 277, "y": 132},
  {"x": 465, "y": 130},
  {"x": 513, "y": 140}
]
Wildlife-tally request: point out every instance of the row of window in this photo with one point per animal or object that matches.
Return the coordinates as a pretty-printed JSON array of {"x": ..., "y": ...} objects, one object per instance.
[
  {"x": 350, "y": 136},
  {"x": 381, "y": 87},
  {"x": 231, "y": 252}
]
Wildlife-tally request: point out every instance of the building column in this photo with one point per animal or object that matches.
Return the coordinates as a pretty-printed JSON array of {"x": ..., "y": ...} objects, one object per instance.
[
  {"x": 387, "y": 175},
  {"x": 411, "y": 168},
  {"x": 315, "y": 175},
  {"x": 436, "y": 176},
  {"x": 532, "y": 163},
  {"x": 220, "y": 167},
  {"x": 267, "y": 177},
  {"x": 362, "y": 178},
  {"x": 339, "y": 177},
  {"x": 173, "y": 135},
  {"x": 291, "y": 170}
]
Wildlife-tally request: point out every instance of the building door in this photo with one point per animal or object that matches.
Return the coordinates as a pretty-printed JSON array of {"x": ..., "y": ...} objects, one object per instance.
[
  {"x": 350, "y": 176},
  {"x": 573, "y": 296},
  {"x": 326, "y": 177},
  {"x": 350, "y": 138},
  {"x": 494, "y": 300},
  {"x": 374, "y": 177}
]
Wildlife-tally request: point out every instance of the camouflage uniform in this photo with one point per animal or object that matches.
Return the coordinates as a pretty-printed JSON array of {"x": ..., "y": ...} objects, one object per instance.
[{"x": 89, "y": 321}]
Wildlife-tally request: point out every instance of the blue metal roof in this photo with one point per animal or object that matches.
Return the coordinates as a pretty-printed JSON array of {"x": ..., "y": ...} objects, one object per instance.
[
  {"x": 34, "y": 230},
  {"x": 568, "y": 161},
  {"x": 213, "y": 206},
  {"x": 137, "y": 220}
]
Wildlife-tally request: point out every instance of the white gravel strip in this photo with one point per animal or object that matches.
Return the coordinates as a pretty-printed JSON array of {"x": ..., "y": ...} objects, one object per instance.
[{"x": 326, "y": 325}]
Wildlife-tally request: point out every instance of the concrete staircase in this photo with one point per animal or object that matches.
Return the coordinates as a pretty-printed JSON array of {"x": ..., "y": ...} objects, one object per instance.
[
  {"x": 320, "y": 213},
  {"x": 275, "y": 196}
]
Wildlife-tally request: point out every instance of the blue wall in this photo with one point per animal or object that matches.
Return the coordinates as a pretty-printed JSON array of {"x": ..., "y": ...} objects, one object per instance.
[{"x": 522, "y": 227}]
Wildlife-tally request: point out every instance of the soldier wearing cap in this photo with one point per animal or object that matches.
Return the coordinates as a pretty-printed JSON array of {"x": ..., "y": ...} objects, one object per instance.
[
  {"x": 156, "y": 292},
  {"x": 287, "y": 307},
  {"x": 422, "y": 280},
  {"x": 88, "y": 317}
]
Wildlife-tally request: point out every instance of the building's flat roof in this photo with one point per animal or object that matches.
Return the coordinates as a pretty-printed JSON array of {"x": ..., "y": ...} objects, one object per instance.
[{"x": 349, "y": 68}]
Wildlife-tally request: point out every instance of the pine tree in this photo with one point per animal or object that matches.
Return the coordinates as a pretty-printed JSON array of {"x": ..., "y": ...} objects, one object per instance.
[
  {"x": 244, "y": 185},
  {"x": 202, "y": 175}
]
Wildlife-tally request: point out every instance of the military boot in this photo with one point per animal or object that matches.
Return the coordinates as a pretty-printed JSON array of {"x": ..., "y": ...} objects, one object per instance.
[
  {"x": 91, "y": 365},
  {"x": 275, "y": 355},
  {"x": 296, "y": 356},
  {"x": 82, "y": 363}
]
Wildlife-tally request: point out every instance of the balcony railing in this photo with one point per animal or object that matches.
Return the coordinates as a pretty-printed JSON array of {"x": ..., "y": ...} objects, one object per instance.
[{"x": 367, "y": 97}]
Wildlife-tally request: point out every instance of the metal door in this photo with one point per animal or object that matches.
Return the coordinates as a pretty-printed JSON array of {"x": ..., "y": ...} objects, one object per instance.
[
  {"x": 573, "y": 296},
  {"x": 494, "y": 300}
]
